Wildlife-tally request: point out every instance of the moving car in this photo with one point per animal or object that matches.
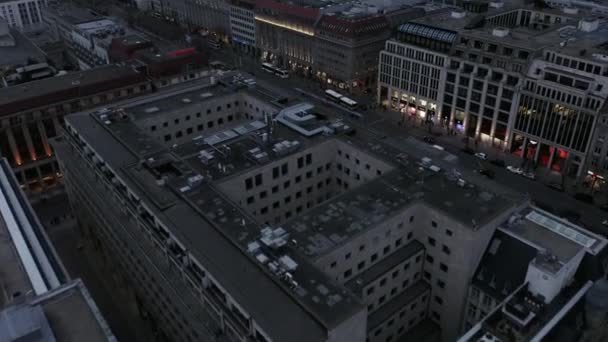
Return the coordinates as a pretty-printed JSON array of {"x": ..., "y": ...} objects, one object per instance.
[
  {"x": 468, "y": 150},
  {"x": 529, "y": 175},
  {"x": 481, "y": 155},
  {"x": 498, "y": 162},
  {"x": 487, "y": 172},
  {"x": 556, "y": 186},
  {"x": 428, "y": 139},
  {"x": 515, "y": 170}
]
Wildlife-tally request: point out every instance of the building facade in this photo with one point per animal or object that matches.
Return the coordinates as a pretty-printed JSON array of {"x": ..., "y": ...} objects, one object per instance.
[
  {"x": 32, "y": 114},
  {"x": 330, "y": 225},
  {"x": 242, "y": 26},
  {"x": 39, "y": 299},
  {"x": 530, "y": 259},
  {"x": 347, "y": 47},
  {"x": 502, "y": 81},
  {"x": 23, "y": 14}
]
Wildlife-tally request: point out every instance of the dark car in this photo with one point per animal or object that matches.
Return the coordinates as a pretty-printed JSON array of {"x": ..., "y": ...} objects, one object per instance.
[
  {"x": 428, "y": 139},
  {"x": 487, "y": 172},
  {"x": 468, "y": 150},
  {"x": 583, "y": 197},
  {"x": 498, "y": 162},
  {"x": 556, "y": 186}
]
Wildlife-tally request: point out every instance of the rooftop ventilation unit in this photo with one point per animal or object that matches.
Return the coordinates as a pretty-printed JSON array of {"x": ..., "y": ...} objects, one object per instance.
[
  {"x": 274, "y": 238},
  {"x": 588, "y": 24},
  {"x": 570, "y": 10},
  {"x": 458, "y": 14},
  {"x": 500, "y": 32},
  {"x": 496, "y": 4}
]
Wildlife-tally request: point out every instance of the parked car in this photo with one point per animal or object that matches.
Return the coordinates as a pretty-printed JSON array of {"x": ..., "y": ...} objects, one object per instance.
[
  {"x": 481, "y": 155},
  {"x": 487, "y": 172},
  {"x": 515, "y": 170},
  {"x": 605, "y": 222},
  {"x": 583, "y": 197},
  {"x": 529, "y": 175},
  {"x": 428, "y": 139},
  {"x": 498, "y": 162},
  {"x": 556, "y": 186}
]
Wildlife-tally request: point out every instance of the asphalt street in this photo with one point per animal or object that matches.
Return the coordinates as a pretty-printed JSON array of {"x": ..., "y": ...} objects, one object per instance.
[{"x": 409, "y": 139}]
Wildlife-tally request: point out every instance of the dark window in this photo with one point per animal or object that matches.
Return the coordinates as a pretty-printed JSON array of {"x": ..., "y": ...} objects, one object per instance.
[{"x": 446, "y": 250}]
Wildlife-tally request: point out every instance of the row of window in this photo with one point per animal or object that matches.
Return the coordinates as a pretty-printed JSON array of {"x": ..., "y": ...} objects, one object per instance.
[
  {"x": 200, "y": 127},
  {"x": 257, "y": 180}
]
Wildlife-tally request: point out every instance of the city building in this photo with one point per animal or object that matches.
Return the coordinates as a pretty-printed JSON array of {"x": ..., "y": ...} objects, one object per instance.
[
  {"x": 536, "y": 250},
  {"x": 347, "y": 47},
  {"x": 39, "y": 301},
  {"x": 192, "y": 192},
  {"x": 525, "y": 80},
  {"x": 242, "y": 25},
  {"x": 32, "y": 113},
  {"x": 212, "y": 15},
  {"x": 285, "y": 32},
  {"x": 23, "y": 14},
  {"x": 551, "y": 284}
]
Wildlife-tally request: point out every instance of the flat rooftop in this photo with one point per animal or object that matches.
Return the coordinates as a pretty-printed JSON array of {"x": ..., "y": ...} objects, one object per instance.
[
  {"x": 98, "y": 79},
  {"x": 523, "y": 37},
  {"x": 22, "y": 50},
  {"x": 66, "y": 313},
  {"x": 219, "y": 233},
  {"x": 545, "y": 230}
]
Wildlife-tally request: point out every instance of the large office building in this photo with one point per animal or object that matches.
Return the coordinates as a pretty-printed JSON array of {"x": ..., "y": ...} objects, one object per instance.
[
  {"x": 523, "y": 79},
  {"x": 335, "y": 42},
  {"x": 39, "y": 302},
  {"x": 339, "y": 236}
]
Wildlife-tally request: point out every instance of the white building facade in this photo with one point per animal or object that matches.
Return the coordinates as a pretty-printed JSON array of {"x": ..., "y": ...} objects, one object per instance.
[{"x": 23, "y": 13}]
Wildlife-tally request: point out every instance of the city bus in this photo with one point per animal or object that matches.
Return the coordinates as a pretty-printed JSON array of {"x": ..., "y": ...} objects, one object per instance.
[
  {"x": 333, "y": 95},
  {"x": 349, "y": 103},
  {"x": 269, "y": 68}
]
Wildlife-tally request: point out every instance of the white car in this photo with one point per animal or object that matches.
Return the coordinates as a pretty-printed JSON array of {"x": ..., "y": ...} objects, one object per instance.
[
  {"x": 515, "y": 170},
  {"x": 529, "y": 175},
  {"x": 481, "y": 155},
  {"x": 605, "y": 222}
]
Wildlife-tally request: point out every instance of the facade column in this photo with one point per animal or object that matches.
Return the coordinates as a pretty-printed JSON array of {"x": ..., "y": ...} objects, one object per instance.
[
  {"x": 57, "y": 124},
  {"x": 551, "y": 157},
  {"x": 45, "y": 139},
  {"x": 29, "y": 143},
  {"x": 13, "y": 145}
]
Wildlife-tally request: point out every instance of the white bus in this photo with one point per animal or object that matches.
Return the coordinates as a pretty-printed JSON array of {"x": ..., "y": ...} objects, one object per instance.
[
  {"x": 351, "y": 104},
  {"x": 333, "y": 95},
  {"x": 282, "y": 73}
]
